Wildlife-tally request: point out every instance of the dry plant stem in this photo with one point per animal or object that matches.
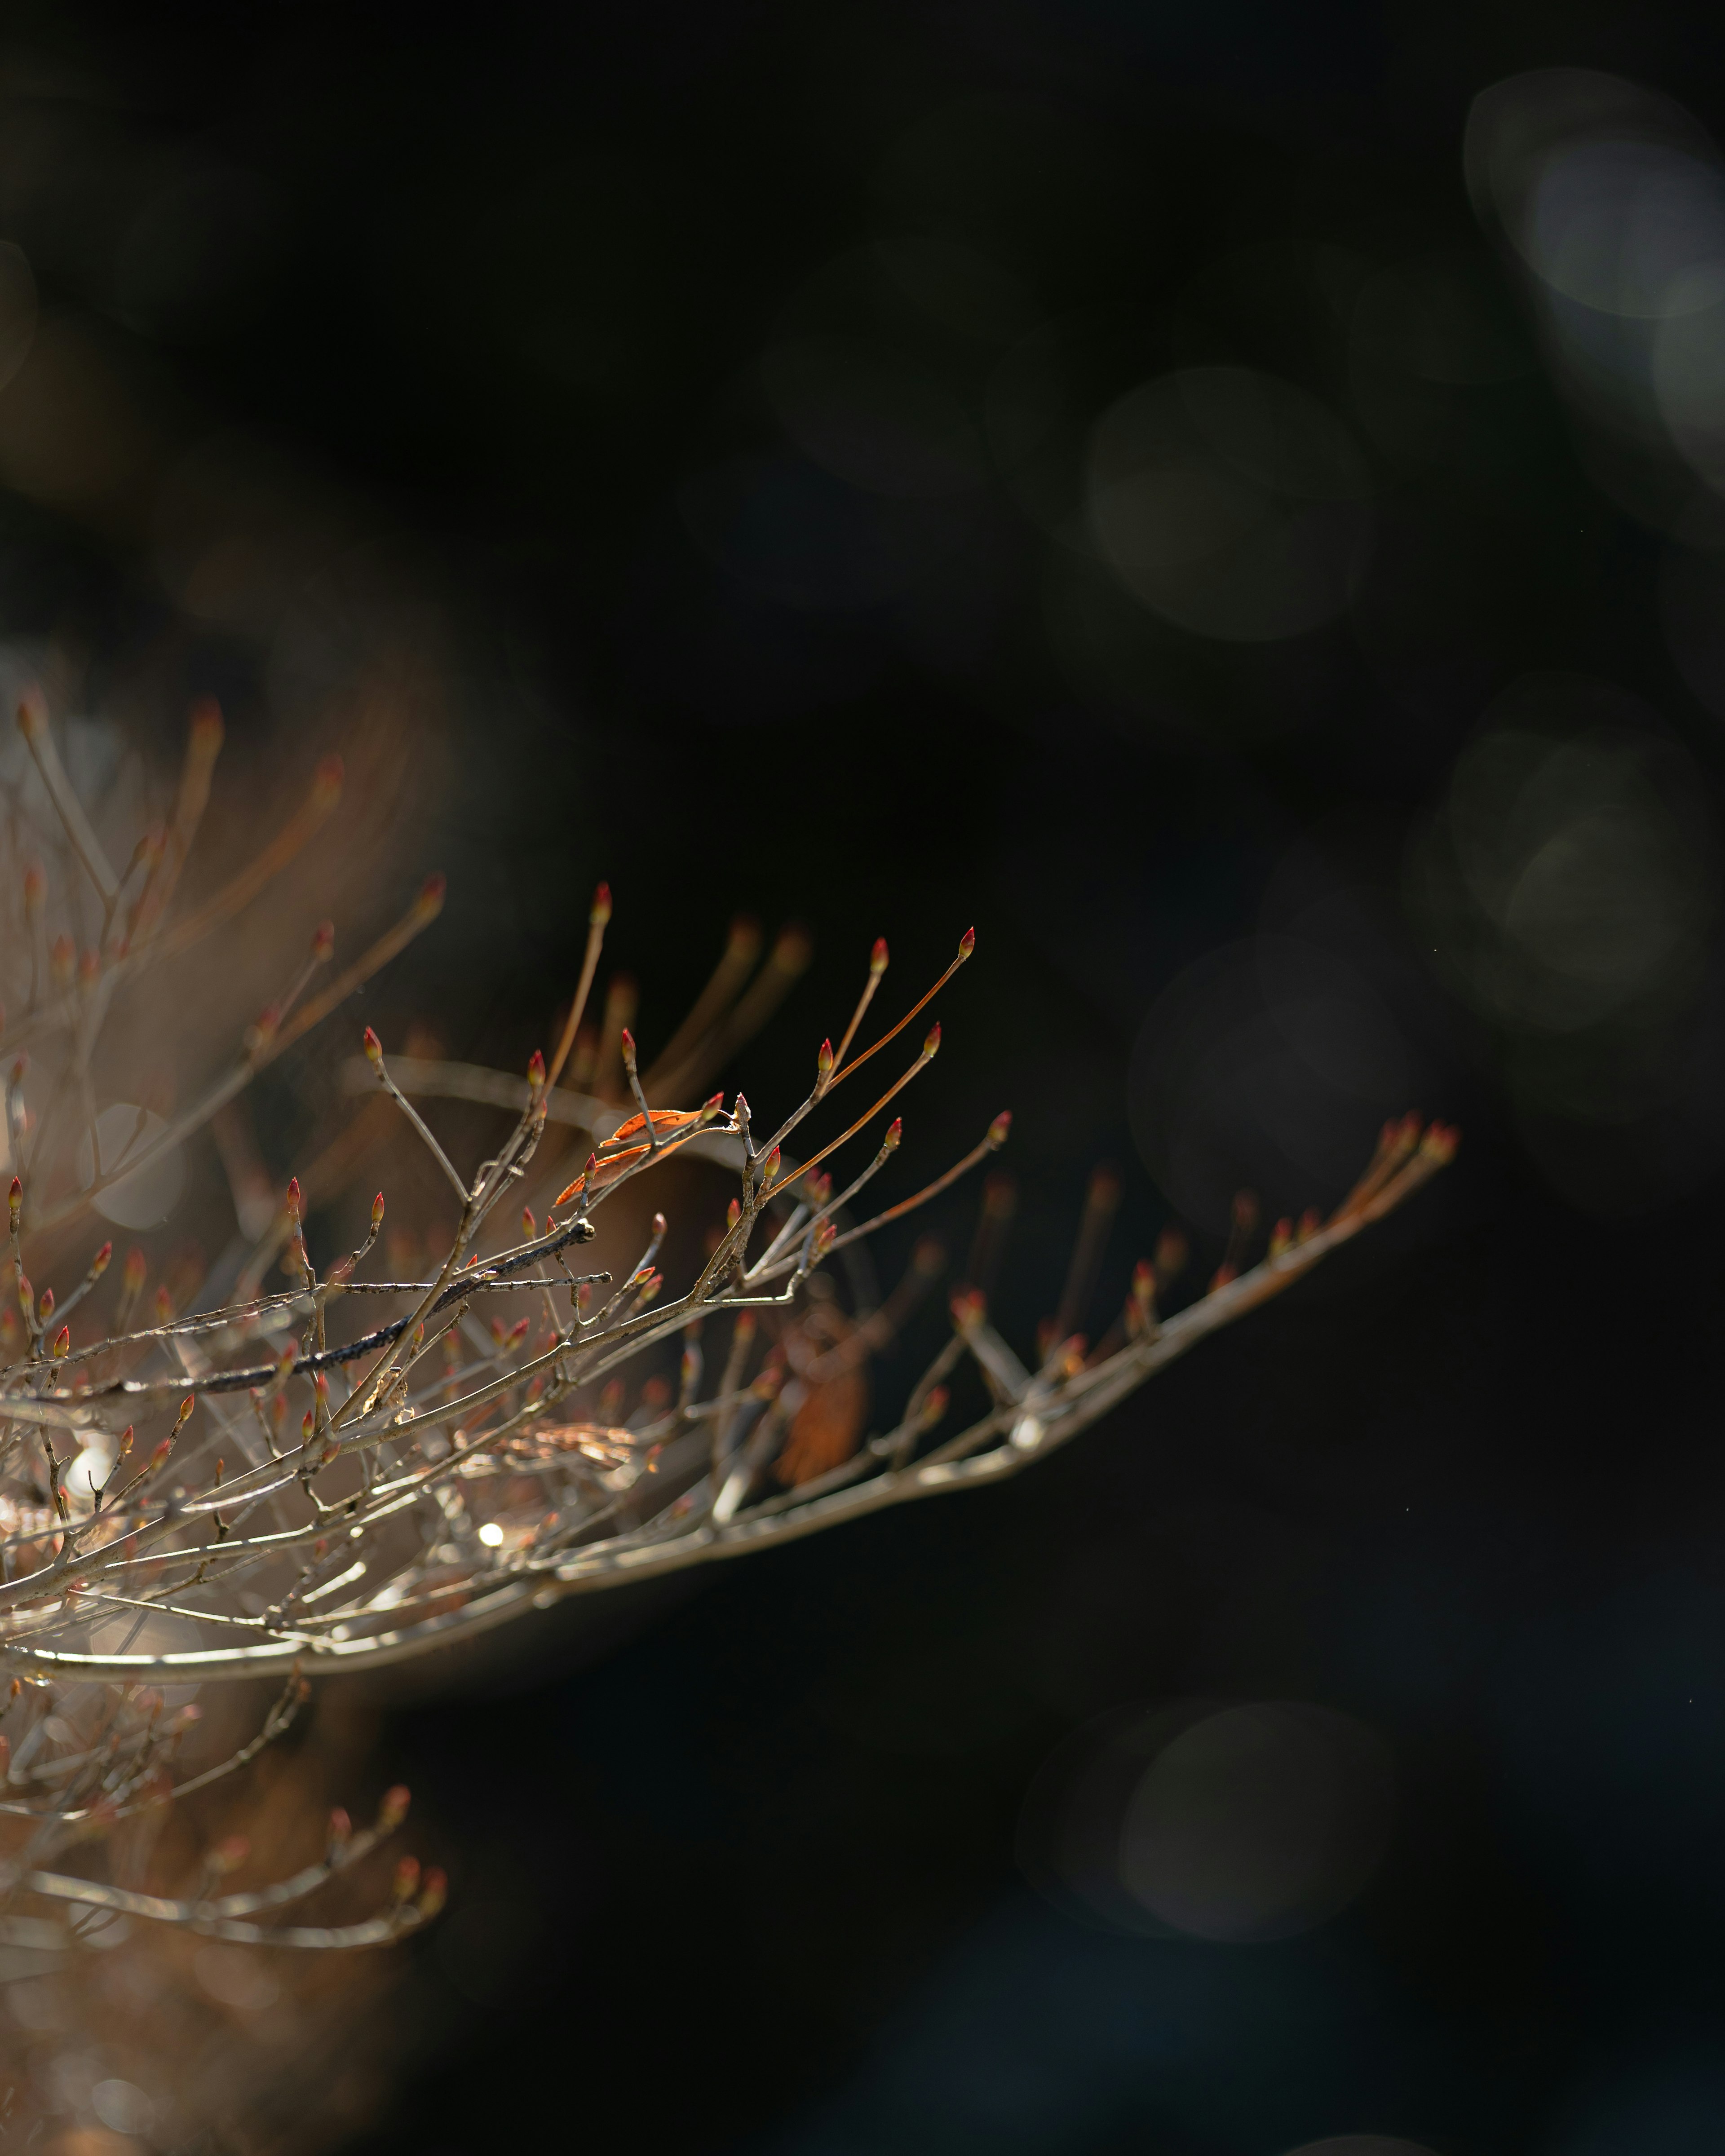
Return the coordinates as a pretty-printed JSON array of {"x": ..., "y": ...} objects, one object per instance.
[
  {"x": 262, "y": 869},
  {"x": 425, "y": 910},
  {"x": 470, "y": 1473},
  {"x": 597, "y": 918},
  {"x": 741, "y": 948},
  {"x": 1048, "y": 1412},
  {"x": 33, "y": 726}
]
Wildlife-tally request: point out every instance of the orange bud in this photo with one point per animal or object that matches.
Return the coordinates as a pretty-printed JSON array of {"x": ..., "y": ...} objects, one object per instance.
[
  {"x": 895, "y": 1132},
  {"x": 530, "y": 1226},
  {"x": 373, "y": 1046},
  {"x": 62, "y": 1342},
  {"x": 600, "y": 912},
  {"x": 125, "y": 1444},
  {"x": 99, "y": 1263},
  {"x": 967, "y": 943},
  {"x": 878, "y": 957},
  {"x": 824, "y": 1059},
  {"x": 15, "y": 1201},
  {"x": 377, "y": 1211},
  {"x": 185, "y": 1413},
  {"x": 931, "y": 1046}
]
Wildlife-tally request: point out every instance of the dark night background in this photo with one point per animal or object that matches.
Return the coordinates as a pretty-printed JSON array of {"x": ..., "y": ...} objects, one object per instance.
[{"x": 718, "y": 381}]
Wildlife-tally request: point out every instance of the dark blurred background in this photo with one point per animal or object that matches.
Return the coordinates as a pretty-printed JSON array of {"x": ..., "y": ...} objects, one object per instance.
[{"x": 1229, "y": 500}]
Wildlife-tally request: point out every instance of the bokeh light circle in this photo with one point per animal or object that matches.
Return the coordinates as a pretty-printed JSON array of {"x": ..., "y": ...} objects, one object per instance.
[
  {"x": 1234, "y": 1823},
  {"x": 1230, "y": 503}
]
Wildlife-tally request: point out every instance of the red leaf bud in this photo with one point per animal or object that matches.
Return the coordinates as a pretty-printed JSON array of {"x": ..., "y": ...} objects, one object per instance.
[
  {"x": 895, "y": 1132},
  {"x": 535, "y": 1069},
  {"x": 824, "y": 1059},
  {"x": 600, "y": 911},
  {"x": 430, "y": 901},
  {"x": 62, "y": 1342},
  {"x": 878, "y": 957},
  {"x": 931, "y": 1046},
  {"x": 99, "y": 1263},
  {"x": 967, "y": 943},
  {"x": 999, "y": 1128},
  {"x": 393, "y": 1809},
  {"x": 373, "y": 1046},
  {"x": 323, "y": 943}
]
